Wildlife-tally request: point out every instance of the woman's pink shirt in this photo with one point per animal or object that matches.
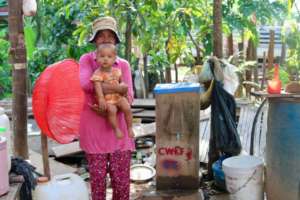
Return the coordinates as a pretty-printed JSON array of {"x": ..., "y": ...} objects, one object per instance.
[{"x": 96, "y": 134}]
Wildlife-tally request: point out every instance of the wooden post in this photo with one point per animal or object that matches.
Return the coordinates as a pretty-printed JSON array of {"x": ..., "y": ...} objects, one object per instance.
[
  {"x": 217, "y": 31},
  {"x": 177, "y": 136},
  {"x": 45, "y": 155},
  {"x": 18, "y": 61},
  {"x": 283, "y": 53},
  {"x": 264, "y": 71},
  {"x": 146, "y": 75}
]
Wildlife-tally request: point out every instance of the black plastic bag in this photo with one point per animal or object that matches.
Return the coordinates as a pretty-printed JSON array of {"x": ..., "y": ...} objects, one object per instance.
[
  {"x": 21, "y": 167},
  {"x": 224, "y": 136}
]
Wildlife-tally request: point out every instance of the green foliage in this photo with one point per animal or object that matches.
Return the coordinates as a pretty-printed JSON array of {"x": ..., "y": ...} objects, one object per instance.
[
  {"x": 293, "y": 42},
  {"x": 5, "y": 70},
  {"x": 3, "y": 3},
  {"x": 54, "y": 41},
  {"x": 244, "y": 15},
  {"x": 165, "y": 30},
  {"x": 30, "y": 38},
  {"x": 284, "y": 76}
]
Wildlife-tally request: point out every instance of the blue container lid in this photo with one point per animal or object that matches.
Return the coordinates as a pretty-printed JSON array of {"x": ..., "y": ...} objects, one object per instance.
[{"x": 170, "y": 88}]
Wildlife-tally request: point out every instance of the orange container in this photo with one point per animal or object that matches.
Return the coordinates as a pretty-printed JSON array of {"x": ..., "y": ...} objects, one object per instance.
[{"x": 274, "y": 85}]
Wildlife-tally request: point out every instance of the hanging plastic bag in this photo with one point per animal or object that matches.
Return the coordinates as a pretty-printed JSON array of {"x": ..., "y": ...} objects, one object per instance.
[
  {"x": 212, "y": 70},
  {"x": 29, "y": 7},
  {"x": 224, "y": 133},
  {"x": 231, "y": 79}
]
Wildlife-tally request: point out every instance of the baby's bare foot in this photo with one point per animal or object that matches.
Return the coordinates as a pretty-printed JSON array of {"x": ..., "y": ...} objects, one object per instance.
[
  {"x": 130, "y": 133},
  {"x": 119, "y": 134}
]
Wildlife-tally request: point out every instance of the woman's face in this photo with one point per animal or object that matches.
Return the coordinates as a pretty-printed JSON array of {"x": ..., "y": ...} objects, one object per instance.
[{"x": 105, "y": 36}]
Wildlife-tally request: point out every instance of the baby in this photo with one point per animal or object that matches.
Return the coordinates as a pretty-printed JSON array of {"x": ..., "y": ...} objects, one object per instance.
[{"x": 106, "y": 56}]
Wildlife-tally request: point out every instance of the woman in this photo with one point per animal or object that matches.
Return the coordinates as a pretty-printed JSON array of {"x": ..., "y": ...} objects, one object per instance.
[{"x": 104, "y": 152}]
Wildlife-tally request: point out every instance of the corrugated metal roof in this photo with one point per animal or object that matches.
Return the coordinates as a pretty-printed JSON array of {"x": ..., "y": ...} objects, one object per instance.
[{"x": 3, "y": 14}]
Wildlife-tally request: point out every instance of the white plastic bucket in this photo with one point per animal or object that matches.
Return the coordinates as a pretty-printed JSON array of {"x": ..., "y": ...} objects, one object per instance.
[{"x": 244, "y": 177}]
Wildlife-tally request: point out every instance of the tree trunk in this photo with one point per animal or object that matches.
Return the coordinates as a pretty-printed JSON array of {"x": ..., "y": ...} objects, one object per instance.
[
  {"x": 218, "y": 52},
  {"x": 18, "y": 61},
  {"x": 230, "y": 45},
  {"x": 128, "y": 40},
  {"x": 168, "y": 75},
  {"x": 176, "y": 72},
  {"x": 217, "y": 32},
  {"x": 198, "y": 60},
  {"x": 271, "y": 50},
  {"x": 161, "y": 76},
  {"x": 146, "y": 75}
]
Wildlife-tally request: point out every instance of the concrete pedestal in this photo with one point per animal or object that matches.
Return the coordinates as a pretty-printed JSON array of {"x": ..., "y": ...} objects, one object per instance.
[{"x": 177, "y": 136}]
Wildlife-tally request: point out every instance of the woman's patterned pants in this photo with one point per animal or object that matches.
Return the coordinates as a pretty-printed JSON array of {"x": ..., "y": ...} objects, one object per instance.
[{"x": 117, "y": 164}]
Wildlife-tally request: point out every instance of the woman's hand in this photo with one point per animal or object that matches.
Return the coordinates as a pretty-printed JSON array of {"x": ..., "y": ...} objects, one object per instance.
[
  {"x": 96, "y": 109},
  {"x": 102, "y": 104},
  {"x": 123, "y": 89}
]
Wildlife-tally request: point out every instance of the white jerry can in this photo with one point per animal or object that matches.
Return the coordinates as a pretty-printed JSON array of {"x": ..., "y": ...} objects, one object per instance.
[{"x": 65, "y": 187}]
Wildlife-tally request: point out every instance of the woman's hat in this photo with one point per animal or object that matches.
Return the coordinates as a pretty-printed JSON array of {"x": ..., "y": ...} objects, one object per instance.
[{"x": 104, "y": 23}]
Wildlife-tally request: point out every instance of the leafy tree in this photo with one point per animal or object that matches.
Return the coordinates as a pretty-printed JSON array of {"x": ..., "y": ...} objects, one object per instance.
[{"x": 5, "y": 70}]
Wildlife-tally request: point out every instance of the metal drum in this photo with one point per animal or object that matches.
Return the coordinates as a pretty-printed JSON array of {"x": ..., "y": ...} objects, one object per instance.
[{"x": 283, "y": 148}]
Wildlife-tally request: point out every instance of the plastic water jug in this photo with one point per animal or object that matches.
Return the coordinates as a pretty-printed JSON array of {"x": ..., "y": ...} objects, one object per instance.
[
  {"x": 8, "y": 161},
  {"x": 62, "y": 187},
  {"x": 4, "y": 184},
  {"x": 5, "y": 131},
  {"x": 274, "y": 85}
]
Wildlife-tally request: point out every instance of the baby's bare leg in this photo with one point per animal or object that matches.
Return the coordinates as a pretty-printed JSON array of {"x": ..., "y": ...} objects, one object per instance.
[
  {"x": 124, "y": 106},
  {"x": 112, "y": 118}
]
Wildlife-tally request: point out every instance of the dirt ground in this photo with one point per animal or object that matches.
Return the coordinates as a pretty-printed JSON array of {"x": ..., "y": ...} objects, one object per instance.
[{"x": 136, "y": 190}]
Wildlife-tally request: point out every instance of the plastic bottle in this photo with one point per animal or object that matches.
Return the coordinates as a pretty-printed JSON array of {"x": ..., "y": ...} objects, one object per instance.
[
  {"x": 4, "y": 185},
  {"x": 2, "y": 134},
  {"x": 5, "y": 132},
  {"x": 274, "y": 86}
]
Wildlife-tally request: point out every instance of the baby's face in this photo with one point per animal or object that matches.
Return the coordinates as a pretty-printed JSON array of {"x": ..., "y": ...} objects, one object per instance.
[{"x": 106, "y": 57}]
